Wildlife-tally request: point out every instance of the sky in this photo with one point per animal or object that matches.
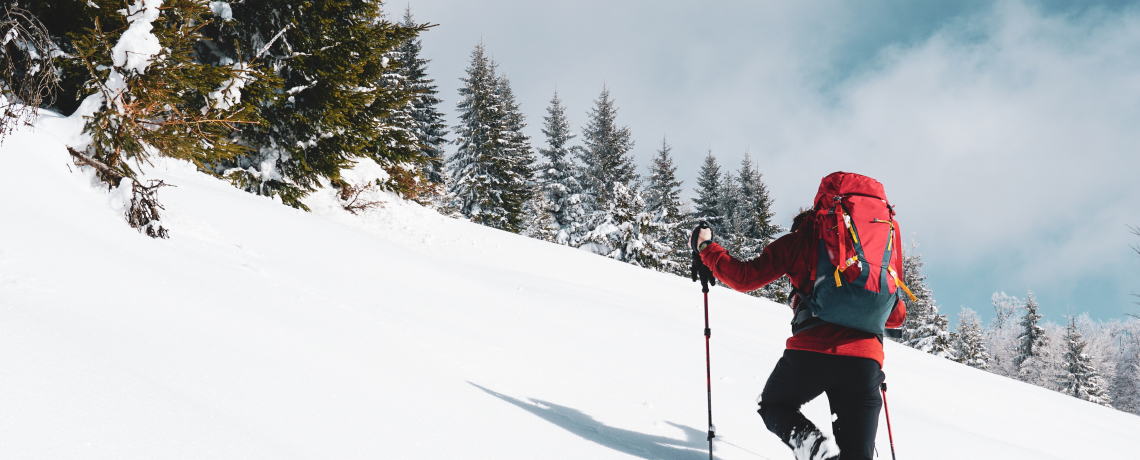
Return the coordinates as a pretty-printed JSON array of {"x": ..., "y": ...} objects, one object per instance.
[{"x": 1005, "y": 132}]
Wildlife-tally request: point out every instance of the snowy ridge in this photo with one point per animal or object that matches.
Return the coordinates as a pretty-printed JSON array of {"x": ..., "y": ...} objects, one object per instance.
[{"x": 259, "y": 331}]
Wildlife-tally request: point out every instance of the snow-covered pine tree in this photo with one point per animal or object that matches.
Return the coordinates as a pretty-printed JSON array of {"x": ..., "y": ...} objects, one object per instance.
[
  {"x": 756, "y": 224},
  {"x": 153, "y": 97},
  {"x": 560, "y": 178},
  {"x": 730, "y": 235},
  {"x": 970, "y": 346},
  {"x": 924, "y": 328},
  {"x": 1031, "y": 358},
  {"x": 539, "y": 219},
  {"x": 606, "y": 157},
  {"x": 663, "y": 202},
  {"x": 663, "y": 192},
  {"x": 490, "y": 169},
  {"x": 516, "y": 145},
  {"x": 626, "y": 232},
  {"x": 707, "y": 207},
  {"x": 753, "y": 211},
  {"x": 337, "y": 96},
  {"x": 429, "y": 126},
  {"x": 1126, "y": 378},
  {"x": 1078, "y": 377}
]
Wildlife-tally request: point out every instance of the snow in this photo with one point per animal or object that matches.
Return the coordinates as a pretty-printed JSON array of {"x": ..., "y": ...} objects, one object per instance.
[
  {"x": 135, "y": 49},
  {"x": 137, "y": 46},
  {"x": 228, "y": 93},
  {"x": 259, "y": 331},
  {"x": 223, "y": 10}
]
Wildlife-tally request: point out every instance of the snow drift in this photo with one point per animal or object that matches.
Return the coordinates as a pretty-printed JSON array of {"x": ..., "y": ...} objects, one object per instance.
[{"x": 259, "y": 331}]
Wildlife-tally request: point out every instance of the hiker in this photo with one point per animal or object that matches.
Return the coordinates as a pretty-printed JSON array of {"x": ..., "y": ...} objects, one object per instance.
[{"x": 844, "y": 260}]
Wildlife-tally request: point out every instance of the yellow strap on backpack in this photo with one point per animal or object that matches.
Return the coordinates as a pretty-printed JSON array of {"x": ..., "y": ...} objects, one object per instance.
[{"x": 900, "y": 284}]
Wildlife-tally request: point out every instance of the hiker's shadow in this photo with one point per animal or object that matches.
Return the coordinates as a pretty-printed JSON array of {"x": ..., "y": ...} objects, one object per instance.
[{"x": 646, "y": 446}]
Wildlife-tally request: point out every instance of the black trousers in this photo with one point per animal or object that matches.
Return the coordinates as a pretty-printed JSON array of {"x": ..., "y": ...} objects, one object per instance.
[{"x": 852, "y": 387}]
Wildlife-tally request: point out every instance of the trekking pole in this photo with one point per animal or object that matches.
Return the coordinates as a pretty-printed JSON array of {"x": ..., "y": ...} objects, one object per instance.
[
  {"x": 886, "y": 409},
  {"x": 700, "y": 272},
  {"x": 708, "y": 369}
]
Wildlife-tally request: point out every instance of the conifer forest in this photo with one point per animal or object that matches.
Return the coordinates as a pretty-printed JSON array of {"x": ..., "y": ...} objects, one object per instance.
[{"x": 280, "y": 97}]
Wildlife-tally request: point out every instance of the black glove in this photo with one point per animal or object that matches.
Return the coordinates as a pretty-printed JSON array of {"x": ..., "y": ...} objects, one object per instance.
[
  {"x": 696, "y": 232},
  {"x": 702, "y": 272},
  {"x": 698, "y": 270}
]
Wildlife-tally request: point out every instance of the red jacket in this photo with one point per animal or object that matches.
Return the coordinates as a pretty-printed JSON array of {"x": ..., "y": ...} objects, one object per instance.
[{"x": 792, "y": 255}]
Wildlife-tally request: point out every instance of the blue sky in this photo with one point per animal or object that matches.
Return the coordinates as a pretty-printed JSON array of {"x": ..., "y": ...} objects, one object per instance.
[{"x": 1007, "y": 133}]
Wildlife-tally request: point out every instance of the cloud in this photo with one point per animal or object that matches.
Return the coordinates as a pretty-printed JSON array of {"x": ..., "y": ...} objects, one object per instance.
[{"x": 1008, "y": 139}]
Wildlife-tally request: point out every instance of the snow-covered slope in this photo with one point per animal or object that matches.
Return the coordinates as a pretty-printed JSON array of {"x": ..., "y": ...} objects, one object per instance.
[{"x": 258, "y": 331}]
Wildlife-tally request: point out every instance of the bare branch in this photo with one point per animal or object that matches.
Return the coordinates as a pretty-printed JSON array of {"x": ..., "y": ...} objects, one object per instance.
[
  {"x": 108, "y": 174},
  {"x": 28, "y": 75},
  {"x": 1135, "y": 231},
  {"x": 267, "y": 45},
  {"x": 143, "y": 212},
  {"x": 351, "y": 201}
]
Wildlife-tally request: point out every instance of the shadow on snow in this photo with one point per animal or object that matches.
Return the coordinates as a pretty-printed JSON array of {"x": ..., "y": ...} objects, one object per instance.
[{"x": 646, "y": 446}]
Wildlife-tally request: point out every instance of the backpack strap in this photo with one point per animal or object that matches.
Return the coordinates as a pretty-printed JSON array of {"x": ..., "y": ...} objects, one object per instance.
[
  {"x": 900, "y": 284},
  {"x": 845, "y": 262},
  {"x": 839, "y": 225},
  {"x": 886, "y": 267},
  {"x": 883, "y": 287},
  {"x": 803, "y": 318}
]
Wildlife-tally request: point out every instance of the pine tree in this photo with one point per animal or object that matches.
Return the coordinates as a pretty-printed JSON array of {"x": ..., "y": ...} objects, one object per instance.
[
  {"x": 1078, "y": 377},
  {"x": 970, "y": 346},
  {"x": 1032, "y": 352},
  {"x": 755, "y": 224},
  {"x": 663, "y": 193},
  {"x": 924, "y": 328},
  {"x": 730, "y": 235},
  {"x": 1126, "y": 379},
  {"x": 337, "y": 98},
  {"x": 516, "y": 145},
  {"x": 539, "y": 219},
  {"x": 560, "y": 178},
  {"x": 754, "y": 211},
  {"x": 626, "y": 232},
  {"x": 491, "y": 168},
  {"x": 165, "y": 102},
  {"x": 429, "y": 127},
  {"x": 606, "y": 156},
  {"x": 707, "y": 206},
  {"x": 663, "y": 202},
  {"x": 153, "y": 97}
]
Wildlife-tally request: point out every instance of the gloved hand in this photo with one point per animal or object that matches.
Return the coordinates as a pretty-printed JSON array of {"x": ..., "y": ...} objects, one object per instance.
[
  {"x": 702, "y": 272},
  {"x": 694, "y": 238},
  {"x": 698, "y": 271}
]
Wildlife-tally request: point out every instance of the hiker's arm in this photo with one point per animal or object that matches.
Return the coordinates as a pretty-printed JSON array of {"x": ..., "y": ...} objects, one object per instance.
[{"x": 753, "y": 274}]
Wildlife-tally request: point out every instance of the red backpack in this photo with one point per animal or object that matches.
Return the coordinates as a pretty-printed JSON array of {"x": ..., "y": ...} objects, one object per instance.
[{"x": 854, "y": 282}]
